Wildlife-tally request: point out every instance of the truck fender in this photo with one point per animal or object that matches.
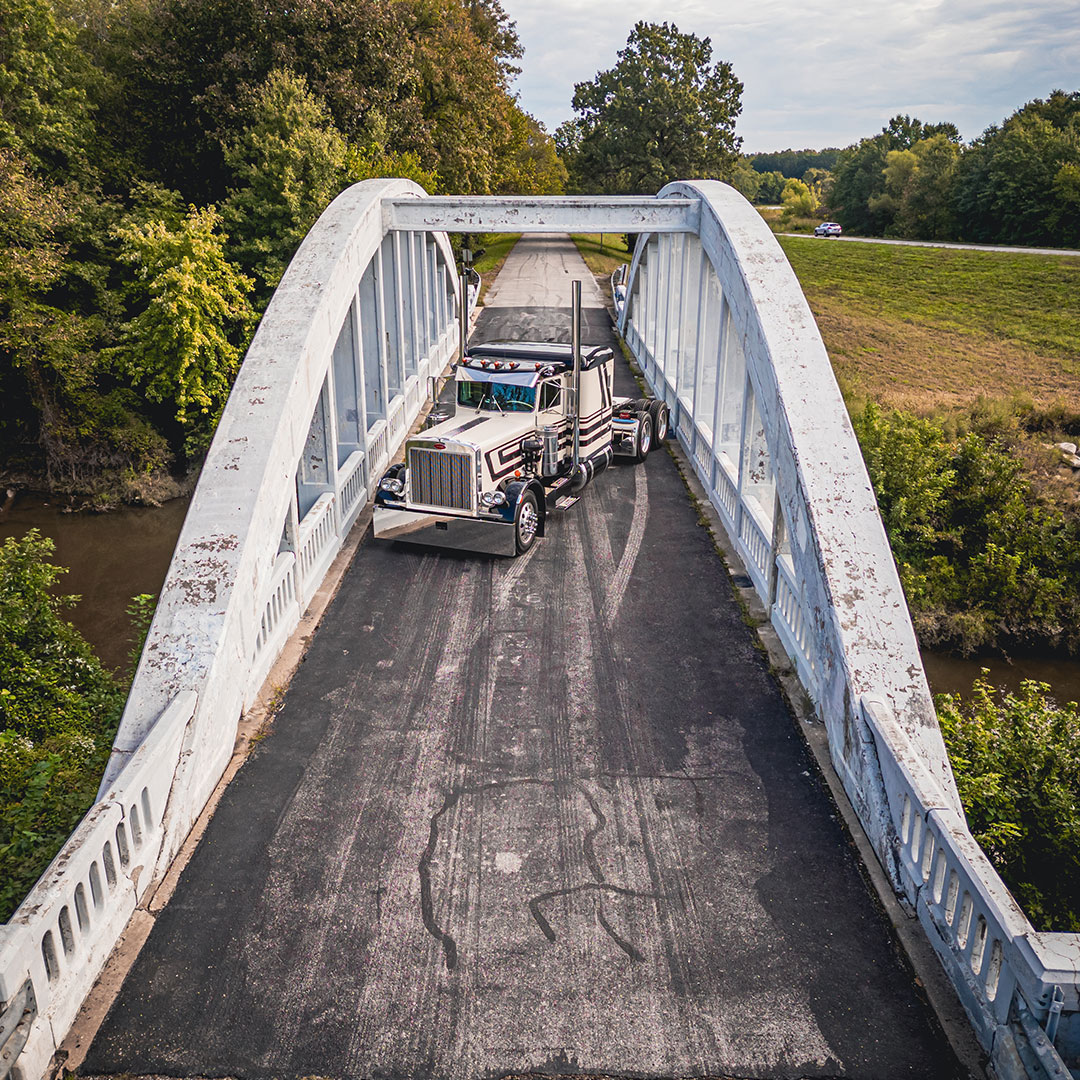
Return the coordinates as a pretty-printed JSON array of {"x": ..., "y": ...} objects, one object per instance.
[{"x": 514, "y": 491}]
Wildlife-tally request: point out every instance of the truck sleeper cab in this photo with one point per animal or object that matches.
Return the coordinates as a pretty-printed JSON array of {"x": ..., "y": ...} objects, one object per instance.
[{"x": 520, "y": 445}]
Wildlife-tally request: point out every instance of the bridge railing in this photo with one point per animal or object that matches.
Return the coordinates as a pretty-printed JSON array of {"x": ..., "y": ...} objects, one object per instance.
[
  {"x": 331, "y": 385},
  {"x": 55, "y": 945},
  {"x": 722, "y": 332}
]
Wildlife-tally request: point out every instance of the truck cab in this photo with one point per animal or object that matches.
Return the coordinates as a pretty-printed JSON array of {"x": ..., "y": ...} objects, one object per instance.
[{"x": 530, "y": 430}]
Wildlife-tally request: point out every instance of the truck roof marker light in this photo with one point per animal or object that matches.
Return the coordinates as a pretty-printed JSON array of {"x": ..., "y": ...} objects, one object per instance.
[
  {"x": 517, "y": 472},
  {"x": 512, "y": 365}
]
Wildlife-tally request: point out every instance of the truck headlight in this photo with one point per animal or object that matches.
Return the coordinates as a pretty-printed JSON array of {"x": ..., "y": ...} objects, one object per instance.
[
  {"x": 493, "y": 498},
  {"x": 392, "y": 484}
]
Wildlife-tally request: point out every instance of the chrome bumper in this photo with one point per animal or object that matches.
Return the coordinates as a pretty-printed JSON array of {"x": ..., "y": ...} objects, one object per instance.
[{"x": 438, "y": 530}]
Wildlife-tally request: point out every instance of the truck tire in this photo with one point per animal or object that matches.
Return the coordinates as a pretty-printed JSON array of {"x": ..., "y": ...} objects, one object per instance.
[
  {"x": 526, "y": 522},
  {"x": 661, "y": 417},
  {"x": 644, "y": 440}
]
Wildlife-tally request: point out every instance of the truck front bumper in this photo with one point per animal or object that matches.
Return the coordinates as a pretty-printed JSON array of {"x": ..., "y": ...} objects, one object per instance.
[{"x": 440, "y": 530}]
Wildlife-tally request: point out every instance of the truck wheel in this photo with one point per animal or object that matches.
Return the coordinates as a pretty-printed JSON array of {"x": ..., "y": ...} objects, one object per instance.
[
  {"x": 661, "y": 417},
  {"x": 526, "y": 522},
  {"x": 643, "y": 443}
]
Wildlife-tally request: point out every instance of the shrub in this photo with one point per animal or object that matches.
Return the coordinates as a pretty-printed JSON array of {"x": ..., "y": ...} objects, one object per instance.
[
  {"x": 1016, "y": 757},
  {"x": 985, "y": 560},
  {"x": 59, "y": 709}
]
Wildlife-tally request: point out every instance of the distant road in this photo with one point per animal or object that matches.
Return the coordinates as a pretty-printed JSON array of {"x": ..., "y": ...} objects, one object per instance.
[{"x": 940, "y": 244}]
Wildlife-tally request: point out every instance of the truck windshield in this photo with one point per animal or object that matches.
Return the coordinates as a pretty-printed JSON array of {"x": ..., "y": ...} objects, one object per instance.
[{"x": 497, "y": 397}]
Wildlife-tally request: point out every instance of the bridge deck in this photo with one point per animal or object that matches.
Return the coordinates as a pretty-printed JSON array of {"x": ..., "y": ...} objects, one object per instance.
[{"x": 544, "y": 815}]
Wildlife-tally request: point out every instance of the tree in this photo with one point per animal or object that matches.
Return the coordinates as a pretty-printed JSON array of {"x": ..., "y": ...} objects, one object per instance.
[
  {"x": 530, "y": 162},
  {"x": 1014, "y": 185},
  {"x": 422, "y": 77},
  {"x": 45, "y": 115},
  {"x": 664, "y": 112},
  {"x": 859, "y": 196},
  {"x": 191, "y": 320},
  {"x": 287, "y": 164},
  {"x": 799, "y": 200}
]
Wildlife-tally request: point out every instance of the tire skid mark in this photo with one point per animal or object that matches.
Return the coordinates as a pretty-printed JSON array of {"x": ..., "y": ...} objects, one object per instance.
[
  {"x": 630, "y": 553},
  {"x": 450, "y": 803},
  {"x": 450, "y": 627},
  {"x": 305, "y": 807}
]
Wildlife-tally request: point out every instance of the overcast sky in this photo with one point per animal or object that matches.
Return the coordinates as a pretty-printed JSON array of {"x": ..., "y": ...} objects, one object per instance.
[{"x": 823, "y": 72}]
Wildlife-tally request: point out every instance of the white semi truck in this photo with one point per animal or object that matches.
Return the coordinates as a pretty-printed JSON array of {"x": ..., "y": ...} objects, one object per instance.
[{"x": 534, "y": 423}]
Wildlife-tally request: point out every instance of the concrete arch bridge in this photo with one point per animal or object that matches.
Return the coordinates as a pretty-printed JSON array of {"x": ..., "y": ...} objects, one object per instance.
[{"x": 503, "y": 822}]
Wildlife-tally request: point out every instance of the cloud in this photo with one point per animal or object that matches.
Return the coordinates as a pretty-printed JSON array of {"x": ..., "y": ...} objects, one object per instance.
[{"x": 823, "y": 73}]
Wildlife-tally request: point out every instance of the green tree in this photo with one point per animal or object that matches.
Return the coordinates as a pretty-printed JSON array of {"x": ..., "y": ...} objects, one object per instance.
[
  {"x": 422, "y": 77},
  {"x": 1016, "y": 758},
  {"x": 799, "y": 200},
  {"x": 859, "y": 197},
  {"x": 745, "y": 179},
  {"x": 45, "y": 114},
  {"x": 530, "y": 163},
  {"x": 664, "y": 112},
  {"x": 191, "y": 319},
  {"x": 919, "y": 189},
  {"x": 287, "y": 164}
]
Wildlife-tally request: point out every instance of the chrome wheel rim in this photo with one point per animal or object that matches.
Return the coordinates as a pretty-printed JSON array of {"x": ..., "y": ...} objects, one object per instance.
[
  {"x": 661, "y": 425},
  {"x": 527, "y": 522},
  {"x": 646, "y": 438}
]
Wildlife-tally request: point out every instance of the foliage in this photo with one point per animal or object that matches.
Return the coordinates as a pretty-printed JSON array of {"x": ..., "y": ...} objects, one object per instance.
[
  {"x": 799, "y": 200},
  {"x": 1016, "y": 757},
  {"x": 45, "y": 114},
  {"x": 531, "y": 164},
  {"x": 426, "y": 77},
  {"x": 985, "y": 561},
  {"x": 771, "y": 187},
  {"x": 745, "y": 179},
  {"x": 918, "y": 189},
  {"x": 191, "y": 319},
  {"x": 859, "y": 198},
  {"x": 664, "y": 112},
  {"x": 59, "y": 709},
  {"x": 1018, "y": 183},
  {"x": 793, "y": 164},
  {"x": 287, "y": 164}
]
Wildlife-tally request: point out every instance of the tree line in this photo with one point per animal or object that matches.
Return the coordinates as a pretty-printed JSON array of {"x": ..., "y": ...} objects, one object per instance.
[
  {"x": 160, "y": 161},
  {"x": 1017, "y": 183}
]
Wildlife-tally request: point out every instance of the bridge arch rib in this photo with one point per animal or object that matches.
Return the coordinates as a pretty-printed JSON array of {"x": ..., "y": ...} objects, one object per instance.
[{"x": 722, "y": 330}]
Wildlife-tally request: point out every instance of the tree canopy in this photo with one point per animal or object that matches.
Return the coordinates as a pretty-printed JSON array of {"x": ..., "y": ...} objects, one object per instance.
[{"x": 664, "y": 112}]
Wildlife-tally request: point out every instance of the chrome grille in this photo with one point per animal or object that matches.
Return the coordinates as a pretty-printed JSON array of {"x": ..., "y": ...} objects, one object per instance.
[{"x": 441, "y": 478}]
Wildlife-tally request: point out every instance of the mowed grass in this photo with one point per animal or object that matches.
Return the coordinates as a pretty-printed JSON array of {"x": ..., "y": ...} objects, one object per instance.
[
  {"x": 602, "y": 252},
  {"x": 930, "y": 328}
]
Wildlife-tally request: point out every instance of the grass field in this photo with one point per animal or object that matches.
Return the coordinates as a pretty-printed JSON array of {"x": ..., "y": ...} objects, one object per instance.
[{"x": 925, "y": 328}]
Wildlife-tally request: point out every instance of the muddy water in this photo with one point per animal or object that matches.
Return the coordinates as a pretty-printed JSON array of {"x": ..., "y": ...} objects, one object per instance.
[
  {"x": 111, "y": 558},
  {"x": 951, "y": 675}
]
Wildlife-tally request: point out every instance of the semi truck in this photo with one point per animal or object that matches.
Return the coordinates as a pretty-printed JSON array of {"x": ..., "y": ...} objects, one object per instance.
[{"x": 534, "y": 423}]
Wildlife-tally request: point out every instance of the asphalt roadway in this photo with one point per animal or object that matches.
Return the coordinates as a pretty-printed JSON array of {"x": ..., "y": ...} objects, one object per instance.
[{"x": 547, "y": 815}]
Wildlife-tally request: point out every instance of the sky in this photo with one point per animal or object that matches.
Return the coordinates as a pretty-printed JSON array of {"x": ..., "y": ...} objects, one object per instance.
[{"x": 822, "y": 72}]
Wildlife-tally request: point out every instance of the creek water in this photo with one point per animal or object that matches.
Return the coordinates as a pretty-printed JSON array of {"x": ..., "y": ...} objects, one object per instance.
[{"x": 111, "y": 558}]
